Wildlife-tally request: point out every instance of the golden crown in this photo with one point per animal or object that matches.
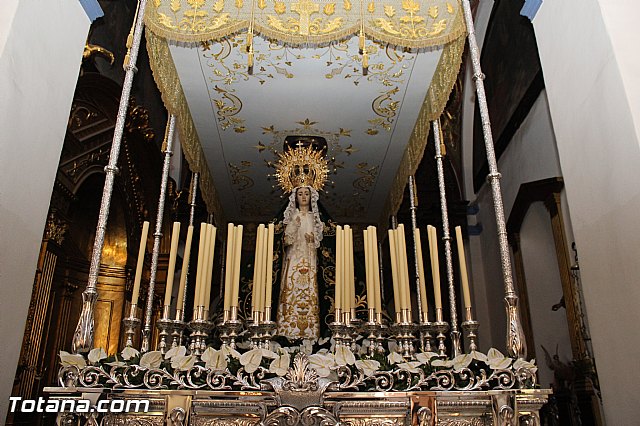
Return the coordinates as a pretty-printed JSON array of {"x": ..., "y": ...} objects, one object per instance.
[{"x": 302, "y": 166}]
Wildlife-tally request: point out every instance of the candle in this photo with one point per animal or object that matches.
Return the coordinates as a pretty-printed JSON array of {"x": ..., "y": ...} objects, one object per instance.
[
  {"x": 466, "y": 294},
  {"x": 269, "y": 284},
  {"x": 185, "y": 267},
  {"x": 406, "y": 304},
  {"x": 201, "y": 249},
  {"x": 173, "y": 253},
  {"x": 423, "y": 284},
  {"x": 205, "y": 265},
  {"x": 436, "y": 268},
  {"x": 228, "y": 273},
  {"x": 376, "y": 270},
  {"x": 258, "y": 275},
  {"x": 394, "y": 269},
  {"x": 338, "y": 279},
  {"x": 207, "y": 286},
  {"x": 346, "y": 290},
  {"x": 367, "y": 263},
  {"x": 254, "y": 293},
  {"x": 263, "y": 269},
  {"x": 141, "y": 251},
  {"x": 352, "y": 275},
  {"x": 237, "y": 253}
]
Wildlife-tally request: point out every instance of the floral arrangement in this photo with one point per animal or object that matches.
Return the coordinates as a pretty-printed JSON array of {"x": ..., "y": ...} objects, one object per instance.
[{"x": 250, "y": 368}]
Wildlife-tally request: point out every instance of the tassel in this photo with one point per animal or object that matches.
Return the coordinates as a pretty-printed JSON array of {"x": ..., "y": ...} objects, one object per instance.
[
  {"x": 250, "y": 62},
  {"x": 127, "y": 57},
  {"x": 365, "y": 63},
  {"x": 249, "y": 41},
  {"x": 361, "y": 43}
]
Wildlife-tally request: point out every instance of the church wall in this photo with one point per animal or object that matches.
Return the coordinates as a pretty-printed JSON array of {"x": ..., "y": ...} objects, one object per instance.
[
  {"x": 593, "y": 105},
  {"x": 40, "y": 56}
]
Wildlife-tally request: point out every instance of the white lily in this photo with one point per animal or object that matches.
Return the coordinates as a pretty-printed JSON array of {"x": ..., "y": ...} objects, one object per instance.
[
  {"x": 323, "y": 340},
  {"x": 442, "y": 363},
  {"x": 411, "y": 366},
  {"x": 129, "y": 352},
  {"x": 280, "y": 365},
  {"x": 461, "y": 361},
  {"x": 213, "y": 359},
  {"x": 368, "y": 366},
  {"x": 307, "y": 346},
  {"x": 69, "y": 360},
  {"x": 521, "y": 363},
  {"x": 96, "y": 354},
  {"x": 344, "y": 356},
  {"x": 322, "y": 363},
  {"x": 151, "y": 359},
  {"x": 496, "y": 360},
  {"x": 364, "y": 348},
  {"x": 177, "y": 351},
  {"x": 395, "y": 358},
  {"x": 479, "y": 356},
  {"x": 228, "y": 351},
  {"x": 251, "y": 360},
  {"x": 425, "y": 357},
  {"x": 392, "y": 346},
  {"x": 183, "y": 362}
]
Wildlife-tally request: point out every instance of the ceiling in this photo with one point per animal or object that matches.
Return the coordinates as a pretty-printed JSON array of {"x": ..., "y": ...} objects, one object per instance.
[{"x": 242, "y": 120}]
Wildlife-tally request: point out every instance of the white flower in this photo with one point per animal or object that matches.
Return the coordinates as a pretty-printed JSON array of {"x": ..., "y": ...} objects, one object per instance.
[
  {"x": 322, "y": 363},
  {"x": 69, "y": 360},
  {"x": 213, "y": 359},
  {"x": 410, "y": 366},
  {"x": 496, "y": 360},
  {"x": 479, "y": 356},
  {"x": 116, "y": 363},
  {"x": 425, "y": 357},
  {"x": 96, "y": 354},
  {"x": 364, "y": 348},
  {"x": 151, "y": 359},
  {"x": 393, "y": 346},
  {"x": 129, "y": 352},
  {"x": 442, "y": 363},
  {"x": 323, "y": 340},
  {"x": 521, "y": 363},
  {"x": 307, "y": 346},
  {"x": 368, "y": 366},
  {"x": 183, "y": 362},
  {"x": 228, "y": 351},
  {"x": 395, "y": 358},
  {"x": 461, "y": 361},
  {"x": 344, "y": 356},
  {"x": 178, "y": 350},
  {"x": 251, "y": 360},
  {"x": 280, "y": 365}
]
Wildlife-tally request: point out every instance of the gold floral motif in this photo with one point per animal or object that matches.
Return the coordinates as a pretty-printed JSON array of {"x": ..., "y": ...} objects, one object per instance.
[
  {"x": 386, "y": 108},
  {"x": 389, "y": 11},
  {"x": 367, "y": 176},
  {"x": 371, "y": 8},
  {"x": 175, "y": 5},
  {"x": 218, "y": 6},
  {"x": 262, "y": 4},
  {"x": 329, "y": 9},
  {"x": 239, "y": 4},
  {"x": 280, "y": 7},
  {"x": 229, "y": 106},
  {"x": 346, "y": 5},
  {"x": 238, "y": 175}
]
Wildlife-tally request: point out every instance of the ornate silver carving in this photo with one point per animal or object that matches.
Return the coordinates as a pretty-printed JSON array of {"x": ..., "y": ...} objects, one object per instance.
[
  {"x": 83, "y": 335},
  {"x": 414, "y": 225},
  {"x": 146, "y": 332},
  {"x": 132, "y": 420},
  {"x": 291, "y": 416},
  {"x": 455, "y": 334},
  {"x": 476, "y": 421},
  {"x": 177, "y": 417},
  {"x": 515, "y": 335}
]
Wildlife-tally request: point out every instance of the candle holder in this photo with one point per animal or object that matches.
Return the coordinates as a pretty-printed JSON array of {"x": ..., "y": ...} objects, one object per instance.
[
  {"x": 426, "y": 338},
  {"x": 255, "y": 330},
  {"x": 337, "y": 328},
  {"x": 404, "y": 331},
  {"x": 199, "y": 332},
  {"x": 178, "y": 330},
  {"x": 165, "y": 328},
  {"x": 373, "y": 329},
  {"x": 230, "y": 327},
  {"x": 131, "y": 324},
  {"x": 267, "y": 329},
  {"x": 471, "y": 327}
]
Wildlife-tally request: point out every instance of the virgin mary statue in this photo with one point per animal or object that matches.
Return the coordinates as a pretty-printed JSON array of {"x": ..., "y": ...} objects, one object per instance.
[{"x": 298, "y": 312}]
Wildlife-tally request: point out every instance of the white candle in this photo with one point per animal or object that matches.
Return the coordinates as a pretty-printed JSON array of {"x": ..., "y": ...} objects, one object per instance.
[
  {"x": 394, "y": 269},
  {"x": 185, "y": 266},
  {"x": 339, "y": 260},
  {"x": 376, "y": 270},
  {"x": 436, "y": 268},
  {"x": 367, "y": 263},
  {"x": 269, "y": 284},
  {"x": 346, "y": 289},
  {"x": 206, "y": 253},
  {"x": 228, "y": 273},
  {"x": 263, "y": 269},
  {"x": 259, "y": 271},
  {"x": 466, "y": 294},
  {"x": 237, "y": 253},
  {"x": 173, "y": 253},
  {"x": 406, "y": 304},
  {"x": 352, "y": 284},
  {"x": 201, "y": 249},
  {"x": 140, "y": 264},
  {"x": 423, "y": 284},
  {"x": 207, "y": 284},
  {"x": 254, "y": 293}
]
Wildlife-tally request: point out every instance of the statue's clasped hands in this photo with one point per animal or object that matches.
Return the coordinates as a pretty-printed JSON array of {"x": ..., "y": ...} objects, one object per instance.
[{"x": 309, "y": 237}]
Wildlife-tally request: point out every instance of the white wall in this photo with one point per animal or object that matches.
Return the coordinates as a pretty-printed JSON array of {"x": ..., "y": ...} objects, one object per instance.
[
  {"x": 40, "y": 55},
  {"x": 591, "y": 77}
]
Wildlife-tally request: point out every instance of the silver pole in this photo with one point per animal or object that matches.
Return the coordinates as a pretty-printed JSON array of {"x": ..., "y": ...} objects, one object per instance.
[
  {"x": 455, "y": 334},
  {"x": 516, "y": 344},
  {"x": 83, "y": 335},
  {"x": 414, "y": 225},
  {"x": 146, "y": 332},
  {"x": 191, "y": 216}
]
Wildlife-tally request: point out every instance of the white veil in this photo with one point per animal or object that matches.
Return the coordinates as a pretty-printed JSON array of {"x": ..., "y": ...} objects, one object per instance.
[{"x": 291, "y": 211}]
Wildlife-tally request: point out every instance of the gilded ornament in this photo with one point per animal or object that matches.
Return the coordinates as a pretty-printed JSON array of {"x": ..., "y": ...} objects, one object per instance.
[
  {"x": 196, "y": 4},
  {"x": 176, "y": 5},
  {"x": 306, "y": 123},
  {"x": 302, "y": 166},
  {"x": 346, "y": 5},
  {"x": 329, "y": 9},
  {"x": 218, "y": 6},
  {"x": 262, "y": 4},
  {"x": 239, "y": 4},
  {"x": 450, "y": 8},
  {"x": 433, "y": 12},
  {"x": 371, "y": 8},
  {"x": 389, "y": 11},
  {"x": 157, "y": 3},
  {"x": 280, "y": 7},
  {"x": 411, "y": 6}
]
